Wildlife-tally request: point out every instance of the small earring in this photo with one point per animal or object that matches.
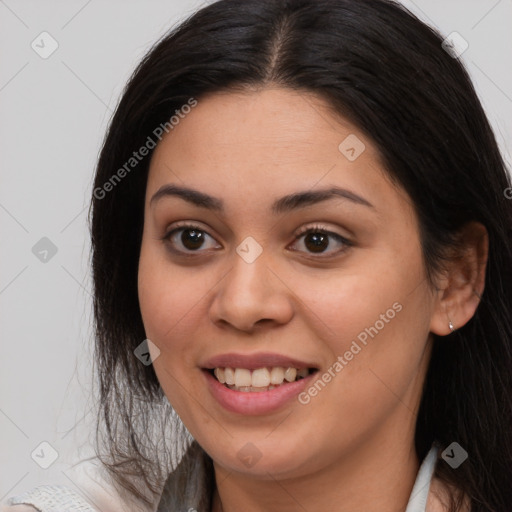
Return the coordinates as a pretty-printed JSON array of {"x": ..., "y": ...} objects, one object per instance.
[{"x": 450, "y": 325}]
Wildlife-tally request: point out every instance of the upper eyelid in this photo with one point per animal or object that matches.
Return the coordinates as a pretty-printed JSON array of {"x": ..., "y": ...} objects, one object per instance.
[
  {"x": 299, "y": 233},
  {"x": 185, "y": 225}
]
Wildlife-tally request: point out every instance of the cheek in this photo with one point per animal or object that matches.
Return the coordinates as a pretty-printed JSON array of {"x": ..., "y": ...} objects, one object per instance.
[
  {"x": 167, "y": 294},
  {"x": 377, "y": 321},
  {"x": 167, "y": 303},
  {"x": 172, "y": 301},
  {"x": 346, "y": 306}
]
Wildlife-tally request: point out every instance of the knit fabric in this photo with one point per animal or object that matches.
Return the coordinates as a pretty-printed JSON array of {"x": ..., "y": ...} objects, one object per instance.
[{"x": 53, "y": 498}]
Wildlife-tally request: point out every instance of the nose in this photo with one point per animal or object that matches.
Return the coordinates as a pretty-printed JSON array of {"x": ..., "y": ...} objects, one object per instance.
[{"x": 250, "y": 295}]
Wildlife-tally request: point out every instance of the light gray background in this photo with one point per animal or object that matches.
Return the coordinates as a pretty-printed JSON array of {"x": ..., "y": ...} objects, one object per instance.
[{"x": 53, "y": 115}]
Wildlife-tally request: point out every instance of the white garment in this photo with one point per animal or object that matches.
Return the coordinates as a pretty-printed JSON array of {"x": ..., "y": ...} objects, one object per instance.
[
  {"x": 52, "y": 498},
  {"x": 58, "y": 498},
  {"x": 419, "y": 494}
]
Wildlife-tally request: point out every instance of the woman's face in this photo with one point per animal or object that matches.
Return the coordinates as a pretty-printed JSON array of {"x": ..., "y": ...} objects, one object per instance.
[{"x": 349, "y": 299}]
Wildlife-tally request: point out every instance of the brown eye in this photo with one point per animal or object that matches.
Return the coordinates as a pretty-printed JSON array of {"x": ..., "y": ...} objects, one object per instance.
[
  {"x": 192, "y": 238},
  {"x": 316, "y": 242},
  {"x": 188, "y": 238},
  {"x": 318, "y": 239}
]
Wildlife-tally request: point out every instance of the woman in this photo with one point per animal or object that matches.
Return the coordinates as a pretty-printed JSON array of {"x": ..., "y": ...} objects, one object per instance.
[{"x": 300, "y": 219}]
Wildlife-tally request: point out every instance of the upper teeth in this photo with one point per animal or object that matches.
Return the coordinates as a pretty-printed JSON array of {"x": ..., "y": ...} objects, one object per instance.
[{"x": 260, "y": 378}]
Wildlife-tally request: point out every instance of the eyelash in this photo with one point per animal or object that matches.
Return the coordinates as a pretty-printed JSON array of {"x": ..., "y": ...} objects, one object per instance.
[{"x": 311, "y": 229}]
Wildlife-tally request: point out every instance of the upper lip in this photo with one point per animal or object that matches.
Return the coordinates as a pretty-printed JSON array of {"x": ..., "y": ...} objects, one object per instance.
[{"x": 255, "y": 361}]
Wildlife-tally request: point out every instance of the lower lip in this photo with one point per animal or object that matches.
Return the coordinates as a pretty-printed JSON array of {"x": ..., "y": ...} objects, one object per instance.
[{"x": 252, "y": 403}]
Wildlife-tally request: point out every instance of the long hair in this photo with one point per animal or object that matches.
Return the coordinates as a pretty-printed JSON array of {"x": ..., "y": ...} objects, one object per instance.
[{"x": 385, "y": 71}]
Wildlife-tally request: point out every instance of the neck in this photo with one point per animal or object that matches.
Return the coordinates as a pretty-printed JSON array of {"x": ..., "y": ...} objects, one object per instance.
[{"x": 377, "y": 477}]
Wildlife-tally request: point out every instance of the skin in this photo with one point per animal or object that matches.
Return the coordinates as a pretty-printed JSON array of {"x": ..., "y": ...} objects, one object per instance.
[{"x": 352, "y": 446}]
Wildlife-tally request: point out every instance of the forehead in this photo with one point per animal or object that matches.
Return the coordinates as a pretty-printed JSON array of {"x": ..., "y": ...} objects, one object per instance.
[
  {"x": 256, "y": 145},
  {"x": 277, "y": 119}
]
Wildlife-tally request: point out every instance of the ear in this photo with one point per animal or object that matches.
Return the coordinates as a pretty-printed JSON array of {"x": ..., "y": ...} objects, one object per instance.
[{"x": 460, "y": 287}]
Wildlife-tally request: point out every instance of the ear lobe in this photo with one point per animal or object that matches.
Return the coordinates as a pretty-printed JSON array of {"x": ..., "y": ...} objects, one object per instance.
[{"x": 464, "y": 280}]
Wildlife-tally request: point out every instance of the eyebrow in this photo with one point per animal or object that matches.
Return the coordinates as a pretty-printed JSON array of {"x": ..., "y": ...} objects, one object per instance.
[{"x": 282, "y": 205}]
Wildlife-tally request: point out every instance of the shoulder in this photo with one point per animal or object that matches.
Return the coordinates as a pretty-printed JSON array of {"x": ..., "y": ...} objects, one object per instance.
[
  {"x": 48, "y": 498},
  {"x": 17, "y": 508},
  {"x": 438, "y": 498},
  {"x": 97, "y": 496}
]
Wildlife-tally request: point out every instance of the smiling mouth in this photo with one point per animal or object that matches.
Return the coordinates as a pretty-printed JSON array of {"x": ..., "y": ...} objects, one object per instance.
[{"x": 260, "y": 379}]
